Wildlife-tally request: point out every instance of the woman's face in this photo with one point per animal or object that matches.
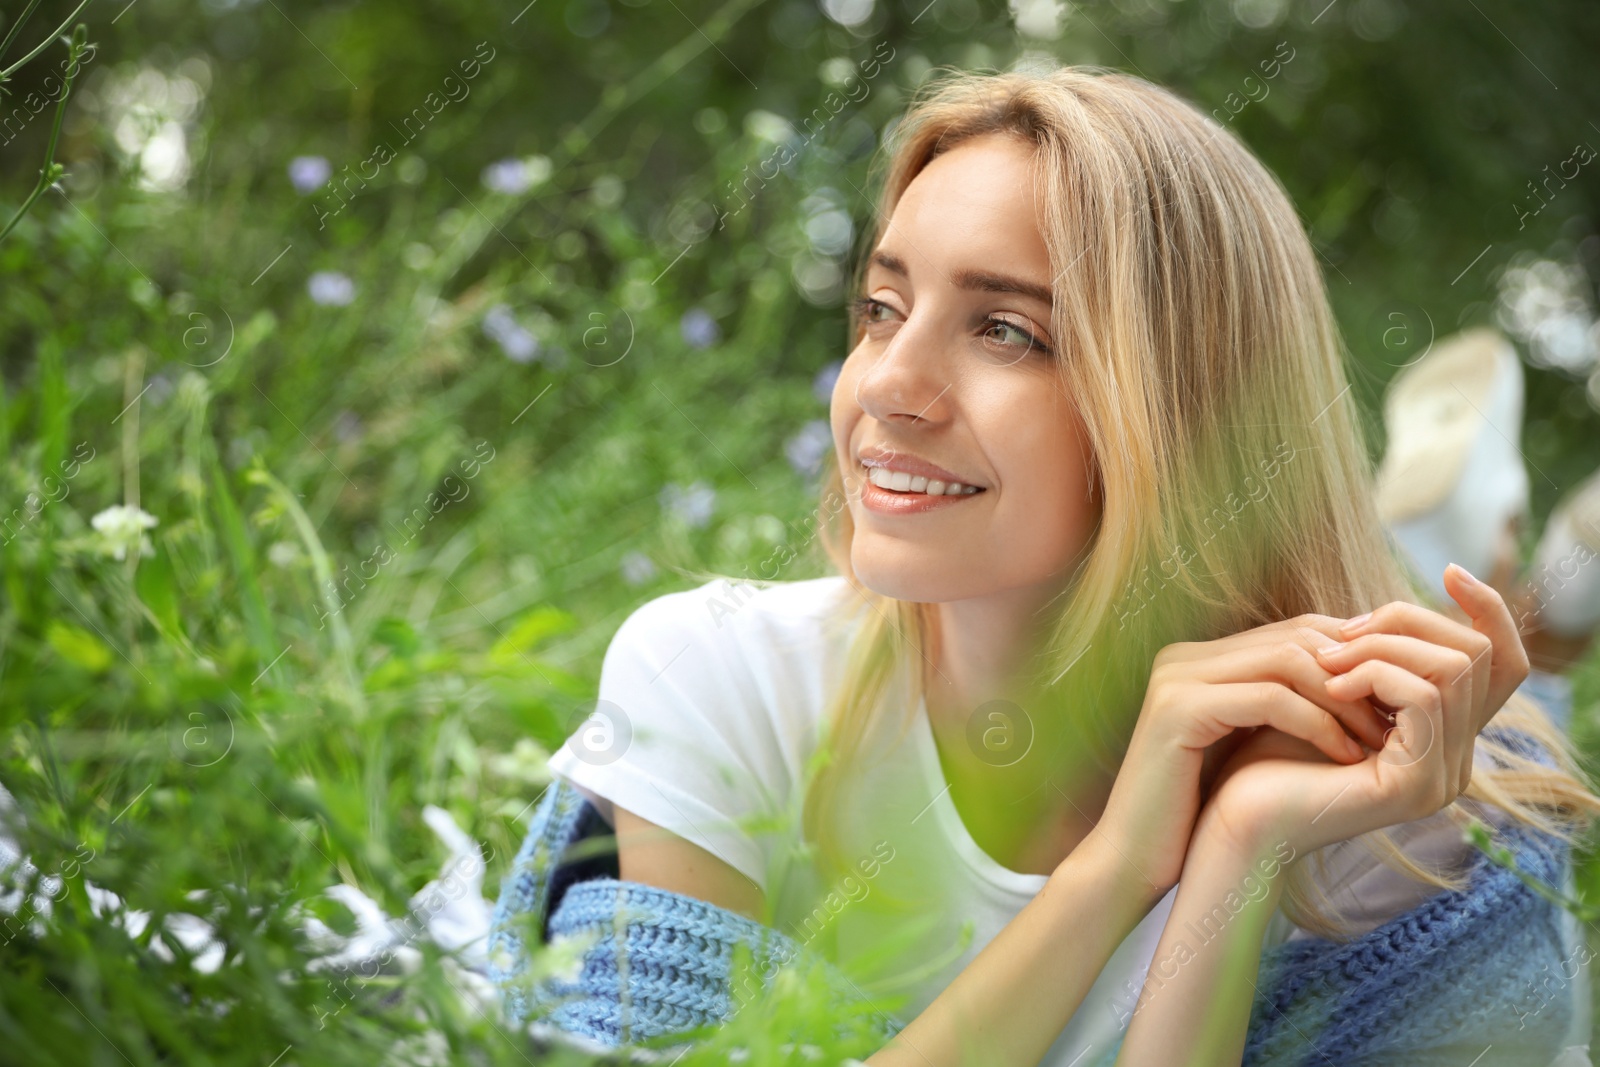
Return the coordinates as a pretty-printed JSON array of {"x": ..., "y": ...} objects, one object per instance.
[{"x": 954, "y": 374}]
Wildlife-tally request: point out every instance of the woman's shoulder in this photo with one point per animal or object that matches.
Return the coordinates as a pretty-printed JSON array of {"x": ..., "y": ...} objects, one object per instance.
[
  {"x": 710, "y": 703},
  {"x": 735, "y": 652}
]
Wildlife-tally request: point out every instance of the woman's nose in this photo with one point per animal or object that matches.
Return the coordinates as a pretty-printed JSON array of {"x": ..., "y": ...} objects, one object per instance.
[{"x": 907, "y": 380}]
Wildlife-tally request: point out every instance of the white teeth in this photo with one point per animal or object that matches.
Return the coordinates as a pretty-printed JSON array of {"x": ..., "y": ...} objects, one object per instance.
[{"x": 901, "y": 482}]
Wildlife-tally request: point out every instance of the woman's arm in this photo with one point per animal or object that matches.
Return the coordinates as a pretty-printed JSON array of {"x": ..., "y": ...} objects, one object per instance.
[
  {"x": 1194, "y": 1008},
  {"x": 1012, "y": 1001},
  {"x": 648, "y": 854},
  {"x": 1006, "y": 1006}
]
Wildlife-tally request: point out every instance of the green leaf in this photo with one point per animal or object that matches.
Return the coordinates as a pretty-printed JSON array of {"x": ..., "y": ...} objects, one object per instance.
[
  {"x": 78, "y": 646},
  {"x": 530, "y": 631},
  {"x": 398, "y": 636},
  {"x": 390, "y": 674},
  {"x": 236, "y": 539},
  {"x": 155, "y": 583}
]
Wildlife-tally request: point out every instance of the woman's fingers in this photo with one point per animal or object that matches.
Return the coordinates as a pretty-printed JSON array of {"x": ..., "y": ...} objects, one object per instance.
[
  {"x": 1449, "y": 669},
  {"x": 1307, "y": 630},
  {"x": 1245, "y": 704},
  {"x": 1416, "y": 621},
  {"x": 1416, "y": 745},
  {"x": 1492, "y": 642},
  {"x": 1485, "y": 661},
  {"x": 1444, "y": 680},
  {"x": 1441, "y": 664},
  {"x": 1491, "y": 618},
  {"x": 1327, "y": 624},
  {"x": 1284, "y": 660}
]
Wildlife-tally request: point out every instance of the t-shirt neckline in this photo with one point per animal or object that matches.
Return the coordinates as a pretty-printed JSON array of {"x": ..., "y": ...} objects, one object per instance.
[{"x": 943, "y": 808}]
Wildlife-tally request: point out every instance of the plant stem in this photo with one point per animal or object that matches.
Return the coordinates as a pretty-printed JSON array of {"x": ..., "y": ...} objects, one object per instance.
[
  {"x": 52, "y": 170},
  {"x": 1501, "y": 856},
  {"x": 16, "y": 27},
  {"x": 4, "y": 74}
]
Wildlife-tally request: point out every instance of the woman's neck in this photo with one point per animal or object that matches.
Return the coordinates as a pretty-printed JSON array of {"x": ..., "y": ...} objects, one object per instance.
[
  {"x": 1025, "y": 800},
  {"x": 984, "y": 645}
]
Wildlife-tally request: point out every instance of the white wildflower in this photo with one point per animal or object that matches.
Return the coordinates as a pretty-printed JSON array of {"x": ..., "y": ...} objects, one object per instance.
[{"x": 122, "y": 527}]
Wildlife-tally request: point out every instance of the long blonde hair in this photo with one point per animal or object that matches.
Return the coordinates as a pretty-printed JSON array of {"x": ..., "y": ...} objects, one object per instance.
[{"x": 1197, "y": 339}]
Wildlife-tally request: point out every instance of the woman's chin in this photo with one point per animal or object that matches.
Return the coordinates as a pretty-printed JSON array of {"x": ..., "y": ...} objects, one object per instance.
[{"x": 911, "y": 577}]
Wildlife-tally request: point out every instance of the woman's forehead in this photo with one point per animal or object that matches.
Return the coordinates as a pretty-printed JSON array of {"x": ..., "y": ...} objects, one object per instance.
[{"x": 971, "y": 211}]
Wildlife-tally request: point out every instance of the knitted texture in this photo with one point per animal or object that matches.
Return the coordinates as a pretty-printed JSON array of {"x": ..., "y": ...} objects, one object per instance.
[
  {"x": 525, "y": 895},
  {"x": 1443, "y": 979},
  {"x": 654, "y": 962},
  {"x": 1440, "y": 984},
  {"x": 675, "y": 964}
]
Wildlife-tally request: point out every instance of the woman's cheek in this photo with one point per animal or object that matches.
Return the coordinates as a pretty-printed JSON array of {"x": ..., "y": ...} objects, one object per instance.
[
  {"x": 843, "y": 412},
  {"x": 1051, "y": 478}
]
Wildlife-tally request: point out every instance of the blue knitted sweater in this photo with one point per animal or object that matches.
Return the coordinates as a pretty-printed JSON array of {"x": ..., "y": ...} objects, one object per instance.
[{"x": 1442, "y": 984}]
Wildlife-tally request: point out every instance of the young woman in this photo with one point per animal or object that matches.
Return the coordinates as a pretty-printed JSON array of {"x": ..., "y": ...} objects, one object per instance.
[{"x": 1118, "y": 680}]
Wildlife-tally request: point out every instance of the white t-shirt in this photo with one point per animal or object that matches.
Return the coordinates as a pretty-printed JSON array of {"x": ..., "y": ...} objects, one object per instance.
[{"x": 713, "y": 699}]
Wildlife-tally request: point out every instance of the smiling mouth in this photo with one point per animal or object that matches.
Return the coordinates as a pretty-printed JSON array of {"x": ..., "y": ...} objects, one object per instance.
[{"x": 916, "y": 485}]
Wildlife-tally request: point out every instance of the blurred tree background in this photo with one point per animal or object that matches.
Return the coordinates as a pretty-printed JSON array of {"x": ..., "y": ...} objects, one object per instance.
[{"x": 434, "y": 338}]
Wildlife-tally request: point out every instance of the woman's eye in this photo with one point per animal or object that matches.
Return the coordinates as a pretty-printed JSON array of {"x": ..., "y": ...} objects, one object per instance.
[
  {"x": 872, "y": 311},
  {"x": 1008, "y": 334}
]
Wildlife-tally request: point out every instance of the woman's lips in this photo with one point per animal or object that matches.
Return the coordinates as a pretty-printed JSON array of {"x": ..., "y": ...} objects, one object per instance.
[
  {"x": 878, "y": 457},
  {"x": 888, "y": 502}
]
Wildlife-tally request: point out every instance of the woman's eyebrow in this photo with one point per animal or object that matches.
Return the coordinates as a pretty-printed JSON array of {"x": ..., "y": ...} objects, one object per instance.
[
  {"x": 978, "y": 280},
  {"x": 891, "y": 263},
  {"x": 986, "y": 282}
]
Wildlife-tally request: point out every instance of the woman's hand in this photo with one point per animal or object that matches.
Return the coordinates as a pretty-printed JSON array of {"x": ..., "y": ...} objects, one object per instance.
[
  {"x": 1279, "y": 796},
  {"x": 1444, "y": 682},
  {"x": 1202, "y": 700}
]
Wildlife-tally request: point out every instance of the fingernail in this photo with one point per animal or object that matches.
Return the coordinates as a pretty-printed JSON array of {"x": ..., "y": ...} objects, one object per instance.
[
  {"x": 1357, "y": 621},
  {"x": 1328, "y": 646},
  {"x": 1466, "y": 575},
  {"x": 1354, "y": 747}
]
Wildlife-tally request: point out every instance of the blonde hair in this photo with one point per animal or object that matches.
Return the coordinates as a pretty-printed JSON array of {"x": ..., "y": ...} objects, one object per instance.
[{"x": 1197, "y": 339}]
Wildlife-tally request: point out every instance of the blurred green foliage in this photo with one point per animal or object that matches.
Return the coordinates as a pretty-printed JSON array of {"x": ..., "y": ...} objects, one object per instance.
[{"x": 538, "y": 254}]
